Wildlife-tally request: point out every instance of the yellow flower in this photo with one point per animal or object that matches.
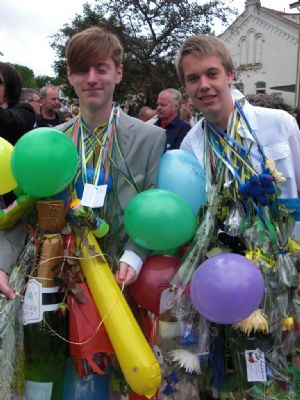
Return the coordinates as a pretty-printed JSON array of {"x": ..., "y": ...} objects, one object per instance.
[
  {"x": 256, "y": 322},
  {"x": 278, "y": 177}
]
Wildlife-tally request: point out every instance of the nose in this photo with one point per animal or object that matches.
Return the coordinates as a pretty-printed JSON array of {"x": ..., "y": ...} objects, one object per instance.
[
  {"x": 92, "y": 75},
  {"x": 204, "y": 84}
]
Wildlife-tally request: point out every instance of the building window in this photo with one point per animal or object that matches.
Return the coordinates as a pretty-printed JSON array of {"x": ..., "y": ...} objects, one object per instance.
[
  {"x": 251, "y": 46},
  {"x": 243, "y": 51},
  {"x": 260, "y": 87},
  {"x": 258, "y": 48}
]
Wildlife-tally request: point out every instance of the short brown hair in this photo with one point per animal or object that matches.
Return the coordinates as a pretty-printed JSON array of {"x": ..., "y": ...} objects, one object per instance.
[
  {"x": 91, "y": 46},
  {"x": 200, "y": 45}
]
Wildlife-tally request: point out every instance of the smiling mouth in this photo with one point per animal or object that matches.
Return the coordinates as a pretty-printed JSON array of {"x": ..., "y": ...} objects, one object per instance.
[{"x": 208, "y": 98}]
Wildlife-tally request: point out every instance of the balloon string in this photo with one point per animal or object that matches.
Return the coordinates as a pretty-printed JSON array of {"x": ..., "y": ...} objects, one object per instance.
[
  {"x": 102, "y": 320},
  {"x": 94, "y": 333}
]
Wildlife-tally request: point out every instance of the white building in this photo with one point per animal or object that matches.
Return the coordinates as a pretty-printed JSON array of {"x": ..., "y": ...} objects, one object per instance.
[{"x": 264, "y": 46}]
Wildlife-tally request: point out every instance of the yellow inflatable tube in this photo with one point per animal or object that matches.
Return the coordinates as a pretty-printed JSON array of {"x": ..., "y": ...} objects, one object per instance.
[{"x": 136, "y": 359}]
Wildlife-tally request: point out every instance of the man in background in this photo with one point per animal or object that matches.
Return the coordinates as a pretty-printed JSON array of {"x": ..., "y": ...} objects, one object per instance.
[
  {"x": 32, "y": 97},
  {"x": 168, "y": 110},
  {"x": 146, "y": 113},
  {"x": 50, "y": 105}
]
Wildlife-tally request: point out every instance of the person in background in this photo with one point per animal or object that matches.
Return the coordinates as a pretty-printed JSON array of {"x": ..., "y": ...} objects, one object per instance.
[
  {"x": 75, "y": 110},
  {"x": 50, "y": 105},
  {"x": 168, "y": 110},
  {"x": 146, "y": 113},
  {"x": 16, "y": 118},
  {"x": 67, "y": 115},
  {"x": 32, "y": 97},
  {"x": 187, "y": 113}
]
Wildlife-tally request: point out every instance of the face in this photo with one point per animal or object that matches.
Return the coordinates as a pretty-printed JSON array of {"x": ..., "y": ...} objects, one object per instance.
[
  {"x": 166, "y": 108},
  {"x": 208, "y": 85},
  {"x": 187, "y": 104},
  {"x": 95, "y": 87},
  {"x": 35, "y": 102},
  {"x": 2, "y": 91},
  {"x": 51, "y": 101}
]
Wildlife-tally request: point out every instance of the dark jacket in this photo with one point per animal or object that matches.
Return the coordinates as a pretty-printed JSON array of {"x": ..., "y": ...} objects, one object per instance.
[
  {"x": 43, "y": 122},
  {"x": 175, "y": 132},
  {"x": 16, "y": 121}
]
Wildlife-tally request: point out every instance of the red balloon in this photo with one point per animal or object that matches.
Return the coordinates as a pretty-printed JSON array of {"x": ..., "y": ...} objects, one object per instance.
[{"x": 154, "y": 277}]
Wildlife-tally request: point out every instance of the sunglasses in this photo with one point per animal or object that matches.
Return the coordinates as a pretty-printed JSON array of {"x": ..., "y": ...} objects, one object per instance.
[{"x": 2, "y": 81}]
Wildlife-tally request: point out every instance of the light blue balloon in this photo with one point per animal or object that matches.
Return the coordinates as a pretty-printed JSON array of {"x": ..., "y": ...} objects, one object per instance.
[{"x": 181, "y": 173}]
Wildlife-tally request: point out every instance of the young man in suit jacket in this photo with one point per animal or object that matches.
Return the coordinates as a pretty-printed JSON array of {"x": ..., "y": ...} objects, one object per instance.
[{"x": 126, "y": 149}]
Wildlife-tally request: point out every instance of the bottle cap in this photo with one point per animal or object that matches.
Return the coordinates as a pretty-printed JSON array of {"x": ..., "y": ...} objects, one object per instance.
[
  {"x": 77, "y": 208},
  {"x": 75, "y": 204},
  {"x": 102, "y": 230}
]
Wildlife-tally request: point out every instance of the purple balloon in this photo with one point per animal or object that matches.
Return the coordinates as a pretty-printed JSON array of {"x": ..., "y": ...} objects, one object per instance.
[{"x": 227, "y": 288}]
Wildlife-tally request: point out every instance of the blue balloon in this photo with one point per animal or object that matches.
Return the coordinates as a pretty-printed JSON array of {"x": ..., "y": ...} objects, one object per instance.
[
  {"x": 181, "y": 173},
  {"x": 89, "y": 387}
]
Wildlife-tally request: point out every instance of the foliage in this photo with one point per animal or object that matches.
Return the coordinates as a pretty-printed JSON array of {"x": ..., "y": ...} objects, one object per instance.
[
  {"x": 27, "y": 76},
  {"x": 274, "y": 100},
  {"x": 151, "y": 32},
  {"x": 43, "y": 80}
]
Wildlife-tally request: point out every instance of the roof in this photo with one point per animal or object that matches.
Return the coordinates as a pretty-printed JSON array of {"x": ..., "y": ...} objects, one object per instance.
[
  {"x": 282, "y": 15},
  {"x": 278, "y": 14}
]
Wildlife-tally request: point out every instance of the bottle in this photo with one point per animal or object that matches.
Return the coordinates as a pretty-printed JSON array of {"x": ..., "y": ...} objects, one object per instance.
[
  {"x": 45, "y": 352},
  {"x": 85, "y": 216}
]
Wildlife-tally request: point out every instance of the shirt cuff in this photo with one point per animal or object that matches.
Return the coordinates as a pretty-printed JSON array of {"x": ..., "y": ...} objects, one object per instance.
[{"x": 132, "y": 259}]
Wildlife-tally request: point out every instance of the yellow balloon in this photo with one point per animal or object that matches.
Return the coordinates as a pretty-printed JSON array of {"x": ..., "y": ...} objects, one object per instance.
[
  {"x": 136, "y": 359},
  {"x": 7, "y": 181}
]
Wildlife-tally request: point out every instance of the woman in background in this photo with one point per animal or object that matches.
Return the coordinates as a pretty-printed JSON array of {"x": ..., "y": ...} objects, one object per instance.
[{"x": 16, "y": 118}]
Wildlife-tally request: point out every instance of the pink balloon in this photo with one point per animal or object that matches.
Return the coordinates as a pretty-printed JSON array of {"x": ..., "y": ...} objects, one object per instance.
[{"x": 227, "y": 288}]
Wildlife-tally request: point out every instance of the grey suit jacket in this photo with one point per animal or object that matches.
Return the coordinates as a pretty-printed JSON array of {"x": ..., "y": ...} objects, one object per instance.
[{"x": 141, "y": 145}]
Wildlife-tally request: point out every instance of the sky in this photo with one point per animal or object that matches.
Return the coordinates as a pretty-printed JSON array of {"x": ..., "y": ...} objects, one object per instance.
[{"x": 26, "y": 27}]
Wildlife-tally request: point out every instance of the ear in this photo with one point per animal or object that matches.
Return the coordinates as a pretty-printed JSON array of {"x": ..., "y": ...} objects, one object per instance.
[
  {"x": 69, "y": 75},
  {"x": 230, "y": 76},
  {"x": 119, "y": 73}
]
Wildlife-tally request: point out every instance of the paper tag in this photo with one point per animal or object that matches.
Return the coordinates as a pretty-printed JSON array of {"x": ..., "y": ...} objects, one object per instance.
[
  {"x": 93, "y": 196},
  {"x": 256, "y": 366},
  {"x": 32, "y": 305},
  {"x": 38, "y": 390}
]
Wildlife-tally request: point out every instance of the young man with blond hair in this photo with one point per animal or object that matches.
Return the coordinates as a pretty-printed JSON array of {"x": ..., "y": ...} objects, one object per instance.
[{"x": 246, "y": 152}]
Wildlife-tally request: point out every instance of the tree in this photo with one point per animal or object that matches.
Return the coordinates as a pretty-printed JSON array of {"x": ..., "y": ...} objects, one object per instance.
[
  {"x": 27, "y": 76},
  {"x": 151, "y": 32},
  {"x": 43, "y": 80}
]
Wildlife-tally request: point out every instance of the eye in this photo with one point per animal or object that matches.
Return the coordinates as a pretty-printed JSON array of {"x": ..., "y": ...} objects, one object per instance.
[
  {"x": 101, "y": 69},
  {"x": 192, "y": 78},
  {"x": 212, "y": 74}
]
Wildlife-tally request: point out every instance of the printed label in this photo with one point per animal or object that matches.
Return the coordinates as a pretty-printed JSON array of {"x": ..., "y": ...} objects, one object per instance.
[
  {"x": 33, "y": 307},
  {"x": 256, "y": 366}
]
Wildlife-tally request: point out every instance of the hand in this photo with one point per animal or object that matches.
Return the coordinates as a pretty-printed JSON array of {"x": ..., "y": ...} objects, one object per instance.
[
  {"x": 4, "y": 288},
  {"x": 126, "y": 274}
]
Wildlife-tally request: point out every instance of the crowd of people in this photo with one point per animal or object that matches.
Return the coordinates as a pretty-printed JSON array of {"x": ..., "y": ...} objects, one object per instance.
[{"x": 232, "y": 141}]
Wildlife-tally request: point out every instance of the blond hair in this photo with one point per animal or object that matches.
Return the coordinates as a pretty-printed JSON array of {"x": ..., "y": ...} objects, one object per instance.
[{"x": 200, "y": 45}]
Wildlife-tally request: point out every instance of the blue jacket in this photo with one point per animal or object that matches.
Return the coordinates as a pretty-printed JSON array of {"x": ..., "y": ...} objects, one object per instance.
[{"x": 175, "y": 132}]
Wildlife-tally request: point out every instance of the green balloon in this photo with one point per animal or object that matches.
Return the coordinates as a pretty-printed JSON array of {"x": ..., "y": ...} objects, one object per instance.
[
  {"x": 159, "y": 220},
  {"x": 44, "y": 161}
]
